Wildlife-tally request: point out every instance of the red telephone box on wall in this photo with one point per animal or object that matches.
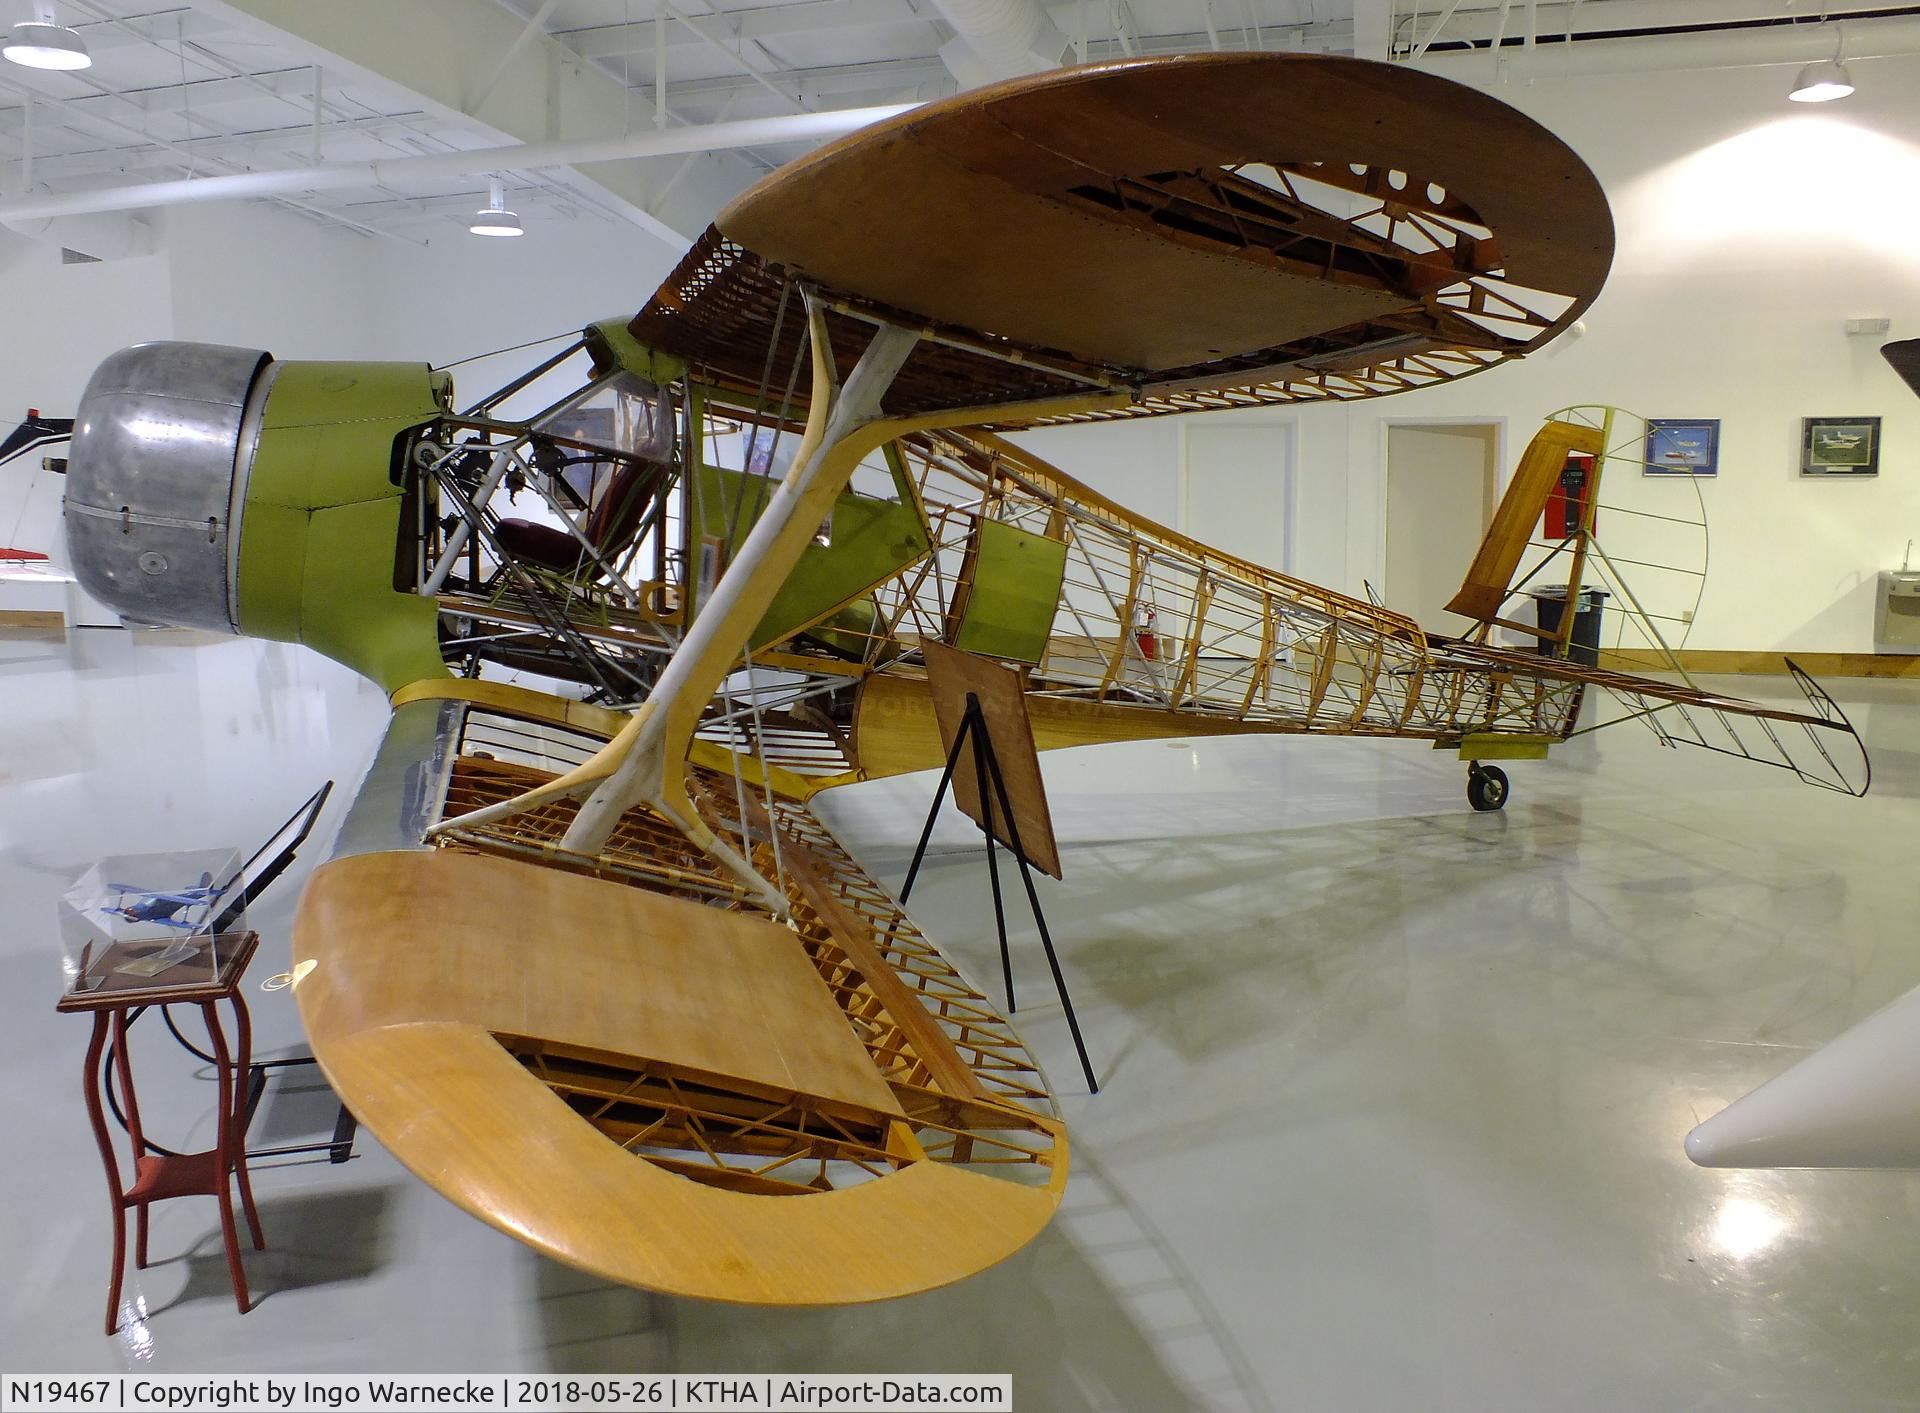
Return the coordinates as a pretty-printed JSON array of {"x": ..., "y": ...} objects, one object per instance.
[{"x": 1567, "y": 504}]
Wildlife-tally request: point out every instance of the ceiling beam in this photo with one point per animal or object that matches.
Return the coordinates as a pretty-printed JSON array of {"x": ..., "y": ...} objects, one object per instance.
[
  {"x": 101, "y": 159},
  {"x": 890, "y": 79},
  {"x": 396, "y": 172},
  {"x": 1554, "y": 19},
  {"x": 838, "y": 80},
  {"x": 448, "y": 54},
  {"x": 765, "y": 22},
  {"x": 194, "y": 95},
  {"x": 101, "y": 123},
  {"x": 103, "y": 36}
]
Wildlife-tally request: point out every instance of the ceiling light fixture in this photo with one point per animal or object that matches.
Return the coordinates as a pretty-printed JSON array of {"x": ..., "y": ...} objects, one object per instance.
[
  {"x": 496, "y": 220},
  {"x": 1825, "y": 79},
  {"x": 43, "y": 43},
  {"x": 1822, "y": 82}
]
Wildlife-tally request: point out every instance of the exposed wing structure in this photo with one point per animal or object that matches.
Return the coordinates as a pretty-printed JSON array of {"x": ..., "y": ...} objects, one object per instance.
[
  {"x": 585, "y": 960},
  {"x": 1177, "y": 234}
]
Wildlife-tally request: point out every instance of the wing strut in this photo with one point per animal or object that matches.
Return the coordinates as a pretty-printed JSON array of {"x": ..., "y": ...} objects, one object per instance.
[{"x": 632, "y": 770}]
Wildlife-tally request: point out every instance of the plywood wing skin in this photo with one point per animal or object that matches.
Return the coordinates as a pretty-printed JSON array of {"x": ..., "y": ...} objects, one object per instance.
[
  {"x": 434, "y": 982},
  {"x": 441, "y": 1096},
  {"x": 989, "y": 211}
]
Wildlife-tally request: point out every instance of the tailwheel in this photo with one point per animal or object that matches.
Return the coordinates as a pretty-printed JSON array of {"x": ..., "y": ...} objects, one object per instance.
[{"x": 1486, "y": 787}]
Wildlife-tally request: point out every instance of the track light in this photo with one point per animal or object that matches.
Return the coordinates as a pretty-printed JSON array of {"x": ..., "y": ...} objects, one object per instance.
[
  {"x": 495, "y": 220},
  {"x": 41, "y": 43},
  {"x": 1822, "y": 82}
]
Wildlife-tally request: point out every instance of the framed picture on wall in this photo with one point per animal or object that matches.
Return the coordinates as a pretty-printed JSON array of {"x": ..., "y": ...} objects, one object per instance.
[
  {"x": 1840, "y": 446},
  {"x": 1683, "y": 446}
]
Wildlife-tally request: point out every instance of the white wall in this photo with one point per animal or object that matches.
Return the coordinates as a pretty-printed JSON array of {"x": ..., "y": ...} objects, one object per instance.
[
  {"x": 467, "y": 294},
  {"x": 1750, "y": 230},
  {"x": 258, "y": 277},
  {"x": 56, "y": 323}
]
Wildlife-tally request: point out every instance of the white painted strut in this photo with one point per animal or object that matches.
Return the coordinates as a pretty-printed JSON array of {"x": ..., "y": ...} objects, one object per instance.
[{"x": 736, "y": 605}]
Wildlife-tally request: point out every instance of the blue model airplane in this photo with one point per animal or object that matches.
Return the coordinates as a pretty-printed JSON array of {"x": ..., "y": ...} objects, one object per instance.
[{"x": 165, "y": 908}]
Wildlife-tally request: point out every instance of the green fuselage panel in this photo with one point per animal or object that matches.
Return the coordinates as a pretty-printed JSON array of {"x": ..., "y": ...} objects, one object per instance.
[
  {"x": 1014, "y": 593},
  {"x": 322, "y": 519},
  {"x": 868, "y": 541}
]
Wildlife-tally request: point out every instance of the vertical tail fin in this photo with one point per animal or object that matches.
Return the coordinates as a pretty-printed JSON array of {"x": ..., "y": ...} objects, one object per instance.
[{"x": 1492, "y": 570}]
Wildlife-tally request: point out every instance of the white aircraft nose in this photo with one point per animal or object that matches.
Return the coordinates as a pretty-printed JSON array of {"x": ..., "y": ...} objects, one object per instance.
[
  {"x": 1855, "y": 1103},
  {"x": 1701, "y": 1146}
]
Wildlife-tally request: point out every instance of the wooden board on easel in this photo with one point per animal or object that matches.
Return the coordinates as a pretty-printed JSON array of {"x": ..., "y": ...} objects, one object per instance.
[{"x": 1001, "y": 691}]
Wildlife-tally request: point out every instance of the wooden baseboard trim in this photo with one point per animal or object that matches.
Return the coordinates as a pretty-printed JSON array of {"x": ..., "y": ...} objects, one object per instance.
[
  {"x": 39, "y": 624},
  {"x": 1710, "y": 661}
]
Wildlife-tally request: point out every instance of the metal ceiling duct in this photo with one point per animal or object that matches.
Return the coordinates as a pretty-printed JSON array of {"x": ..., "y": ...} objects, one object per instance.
[{"x": 349, "y": 176}]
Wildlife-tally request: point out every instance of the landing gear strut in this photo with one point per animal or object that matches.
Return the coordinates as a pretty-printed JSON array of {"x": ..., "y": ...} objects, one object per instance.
[{"x": 1486, "y": 786}]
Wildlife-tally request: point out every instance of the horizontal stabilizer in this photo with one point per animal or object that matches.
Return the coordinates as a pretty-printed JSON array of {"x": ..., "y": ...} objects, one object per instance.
[
  {"x": 1853, "y": 1104},
  {"x": 1819, "y": 745}
]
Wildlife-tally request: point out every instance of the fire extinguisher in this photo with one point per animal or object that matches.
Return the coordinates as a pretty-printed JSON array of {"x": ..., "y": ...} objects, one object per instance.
[{"x": 1144, "y": 634}]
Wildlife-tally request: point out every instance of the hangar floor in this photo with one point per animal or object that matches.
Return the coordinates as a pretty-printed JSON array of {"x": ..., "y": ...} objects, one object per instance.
[{"x": 1394, "y": 1092}]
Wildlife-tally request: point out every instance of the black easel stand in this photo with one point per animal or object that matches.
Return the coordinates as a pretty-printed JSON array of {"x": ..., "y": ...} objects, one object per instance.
[{"x": 986, "y": 765}]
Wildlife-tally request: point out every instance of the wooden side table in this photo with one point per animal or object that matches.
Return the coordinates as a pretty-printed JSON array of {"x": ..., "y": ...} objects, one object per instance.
[{"x": 111, "y": 984}]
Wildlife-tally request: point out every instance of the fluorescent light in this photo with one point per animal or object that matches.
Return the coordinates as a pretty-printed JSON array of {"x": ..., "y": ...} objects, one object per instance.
[
  {"x": 1822, "y": 82},
  {"x": 496, "y": 223},
  {"x": 495, "y": 219},
  {"x": 41, "y": 45}
]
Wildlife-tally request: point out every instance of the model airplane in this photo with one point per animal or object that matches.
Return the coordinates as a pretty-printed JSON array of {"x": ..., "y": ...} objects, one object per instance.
[
  {"x": 35, "y": 431},
  {"x": 169, "y": 909},
  {"x": 585, "y": 960},
  {"x": 32, "y": 433}
]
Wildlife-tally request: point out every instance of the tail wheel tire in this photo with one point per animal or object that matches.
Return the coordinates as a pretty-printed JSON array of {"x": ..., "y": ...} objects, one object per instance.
[{"x": 1487, "y": 787}]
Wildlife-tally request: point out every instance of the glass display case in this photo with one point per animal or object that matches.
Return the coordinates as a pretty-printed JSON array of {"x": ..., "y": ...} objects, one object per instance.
[{"x": 153, "y": 923}]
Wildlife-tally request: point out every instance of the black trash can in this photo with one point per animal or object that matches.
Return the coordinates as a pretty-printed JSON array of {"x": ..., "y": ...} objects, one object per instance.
[{"x": 1551, "y": 603}]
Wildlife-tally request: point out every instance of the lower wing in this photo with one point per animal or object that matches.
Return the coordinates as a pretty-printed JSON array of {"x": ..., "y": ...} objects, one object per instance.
[{"x": 591, "y": 1056}]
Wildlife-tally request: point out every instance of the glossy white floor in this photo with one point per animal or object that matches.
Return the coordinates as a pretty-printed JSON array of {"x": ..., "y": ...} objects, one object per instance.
[{"x": 1394, "y": 1093}]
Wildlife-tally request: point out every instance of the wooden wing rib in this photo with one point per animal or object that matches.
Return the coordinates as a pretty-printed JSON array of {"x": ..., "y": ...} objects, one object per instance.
[
  {"x": 617, "y": 1062},
  {"x": 443, "y": 1097},
  {"x": 1311, "y": 225}
]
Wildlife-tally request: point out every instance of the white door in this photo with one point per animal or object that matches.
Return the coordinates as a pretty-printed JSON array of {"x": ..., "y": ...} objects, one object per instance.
[
  {"x": 1238, "y": 498},
  {"x": 1239, "y": 491},
  {"x": 1441, "y": 480}
]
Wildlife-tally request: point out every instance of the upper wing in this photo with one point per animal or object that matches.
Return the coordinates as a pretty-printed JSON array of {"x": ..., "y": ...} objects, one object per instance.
[{"x": 1205, "y": 230}]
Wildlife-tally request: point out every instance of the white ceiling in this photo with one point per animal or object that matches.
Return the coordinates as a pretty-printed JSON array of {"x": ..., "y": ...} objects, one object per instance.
[{"x": 210, "y": 87}]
